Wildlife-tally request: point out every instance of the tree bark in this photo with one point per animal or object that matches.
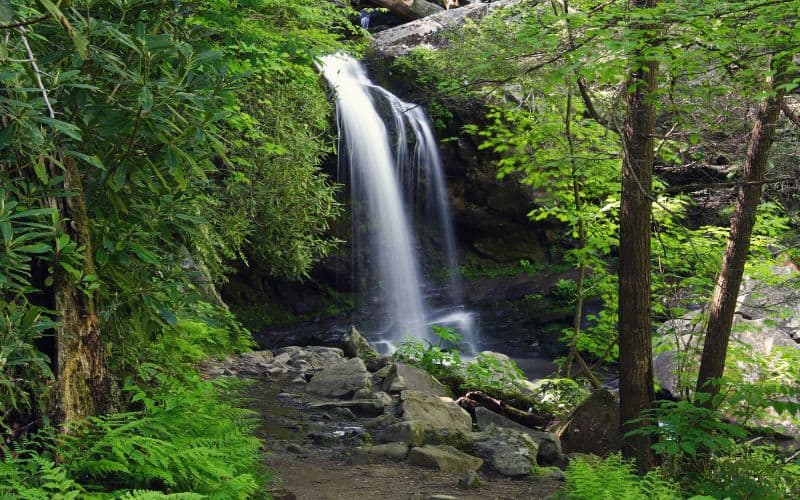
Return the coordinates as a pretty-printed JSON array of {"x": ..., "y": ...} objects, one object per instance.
[
  {"x": 635, "y": 344},
  {"x": 726, "y": 291},
  {"x": 82, "y": 385},
  {"x": 409, "y": 9}
]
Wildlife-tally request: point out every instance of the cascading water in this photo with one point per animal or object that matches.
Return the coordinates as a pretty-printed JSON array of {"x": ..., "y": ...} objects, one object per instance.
[{"x": 389, "y": 186}]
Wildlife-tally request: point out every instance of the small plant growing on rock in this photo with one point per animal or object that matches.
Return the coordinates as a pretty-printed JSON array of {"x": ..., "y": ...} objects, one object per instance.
[
  {"x": 491, "y": 373},
  {"x": 435, "y": 359}
]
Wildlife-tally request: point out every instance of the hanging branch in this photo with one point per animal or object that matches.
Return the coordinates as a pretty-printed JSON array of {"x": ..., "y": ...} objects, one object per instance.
[{"x": 36, "y": 71}]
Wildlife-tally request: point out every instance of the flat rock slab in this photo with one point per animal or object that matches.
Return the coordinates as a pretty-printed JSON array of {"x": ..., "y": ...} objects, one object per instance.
[
  {"x": 340, "y": 380},
  {"x": 402, "y": 377},
  {"x": 366, "y": 408},
  {"x": 371, "y": 454},
  {"x": 434, "y": 413},
  {"x": 444, "y": 458},
  {"x": 548, "y": 443}
]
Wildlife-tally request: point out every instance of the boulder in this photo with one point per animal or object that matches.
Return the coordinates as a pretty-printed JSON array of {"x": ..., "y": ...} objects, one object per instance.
[
  {"x": 434, "y": 413},
  {"x": 549, "y": 445},
  {"x": 354, "y": 345},
  {"x": 340, "y": 380},
  {"x": 401, "y": 377},
  {"x": 444, "y": 458},
  {"x": 410, "y": 432},
  {"x": 592, "y": 427},
  {"x": 401, "y": 39},
  {"x": 509, "y": 452},
  {"x": 370, "y": 454}
]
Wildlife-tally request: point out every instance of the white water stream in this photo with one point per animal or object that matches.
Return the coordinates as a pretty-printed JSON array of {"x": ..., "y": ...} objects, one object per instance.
[{"x": 387, "y": 177}]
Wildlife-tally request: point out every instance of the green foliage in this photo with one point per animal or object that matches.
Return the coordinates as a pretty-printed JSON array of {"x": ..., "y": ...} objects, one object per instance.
[
  {"x": 685, "y": 429},
  {"x": 477, "y": 268},
  {"x": 436, "y": 359},
  {"x": 25, "y": 375},
  {"x": 36, "y": 478},
  {"x": 750, "y": 472},
  {"x": 565, "y": 292},
  {"x": 614, "y": 478},
  {"x": 186, "y": 439},
  {"x": 557, "y": 396},
  {"x": 492, "y": 374},
  {"x": 187, "y": 442},
  {"x": 437, "y": 90}
]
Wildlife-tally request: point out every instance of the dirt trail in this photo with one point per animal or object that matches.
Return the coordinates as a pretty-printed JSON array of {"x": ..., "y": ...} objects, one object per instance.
[{"x": 308, "y": 452}]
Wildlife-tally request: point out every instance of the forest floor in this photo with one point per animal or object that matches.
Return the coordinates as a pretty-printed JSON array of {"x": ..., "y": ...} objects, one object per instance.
[{"x": 308, "y": 453}]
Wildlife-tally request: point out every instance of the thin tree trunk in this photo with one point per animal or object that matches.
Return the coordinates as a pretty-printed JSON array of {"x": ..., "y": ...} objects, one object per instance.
[
  {"x": 635, "y": 344},
  {"x": 726, "y": 291},
  {"x": 82, "y": 387},
  {"x": 582, "y": 242}
]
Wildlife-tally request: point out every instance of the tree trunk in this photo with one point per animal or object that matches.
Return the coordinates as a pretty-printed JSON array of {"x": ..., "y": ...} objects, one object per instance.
[
  {"x": 409, "y": 9},
  {"x": 82, "y": 386},
  {"x": 635, "y": 344},
  {"x": 726, "y": 291}
]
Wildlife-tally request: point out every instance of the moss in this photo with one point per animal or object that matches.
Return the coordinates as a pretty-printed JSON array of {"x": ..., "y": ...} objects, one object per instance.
[{"x": 450, "y": 438}]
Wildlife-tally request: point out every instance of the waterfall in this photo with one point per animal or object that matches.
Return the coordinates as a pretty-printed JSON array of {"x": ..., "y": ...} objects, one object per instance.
[{"x": 388, "y": 177}]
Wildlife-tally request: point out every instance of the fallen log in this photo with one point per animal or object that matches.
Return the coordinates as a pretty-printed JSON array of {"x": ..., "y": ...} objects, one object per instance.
[
  {"x": 409, "y": 9},
  {"x": 473, "y": 399}
]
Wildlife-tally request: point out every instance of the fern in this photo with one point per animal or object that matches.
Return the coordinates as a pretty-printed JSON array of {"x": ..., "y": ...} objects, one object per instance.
[
  {"x": 613, "y": 478},
  {"x": 34, "y": 478},
  {"x": 186, "y": 440}
]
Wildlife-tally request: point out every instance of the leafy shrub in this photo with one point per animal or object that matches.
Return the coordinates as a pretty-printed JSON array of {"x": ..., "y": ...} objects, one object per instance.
[
  {"x": 750, "y": 472},
  {"x": 492, "y": 374},
  {"x": 565, "y": 292},
  {"x": 614, "y": 478},
  {"x": 435, "y": 359},
  {"x": 684, "y": 428},
  {"x": 557, "y": 396},
  {"x": 25, "y": 374}
]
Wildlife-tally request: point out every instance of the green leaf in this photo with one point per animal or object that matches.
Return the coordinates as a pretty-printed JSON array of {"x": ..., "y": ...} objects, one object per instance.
[
  {"x": 37, "y": 248},
  {"x": 7, "y": 230},
  {"x": 144, "y": 255},
  {"x": 6, "y": 12},
  {"x": 65, "y": 128},
  {"x": 41, "y": 172},
  {"x": 80, "y": 41},
  {"x": 145, "y": 99},
  {"x": 7, "y": 134}
]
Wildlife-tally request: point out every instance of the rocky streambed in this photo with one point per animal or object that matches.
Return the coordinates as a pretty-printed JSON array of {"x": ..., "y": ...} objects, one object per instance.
[{"x": 337, "y": 427}]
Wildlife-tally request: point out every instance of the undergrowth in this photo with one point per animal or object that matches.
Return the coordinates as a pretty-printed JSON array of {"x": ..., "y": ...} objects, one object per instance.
[
  {"x": 614, "y": 478},
  {"x": 186, "y": 440}
]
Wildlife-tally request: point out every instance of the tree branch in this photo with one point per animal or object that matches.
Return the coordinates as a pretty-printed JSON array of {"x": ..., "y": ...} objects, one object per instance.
[
  {"x": 21, "y": 24},
  {"x": 590, "y": 109}
]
